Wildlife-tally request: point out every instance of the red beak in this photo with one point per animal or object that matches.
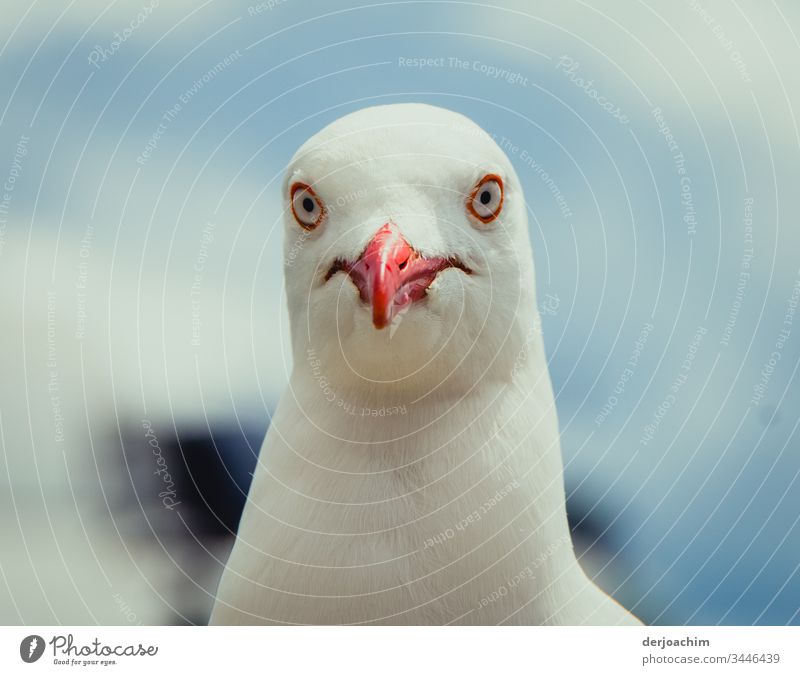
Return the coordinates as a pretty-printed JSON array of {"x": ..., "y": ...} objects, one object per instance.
[
  {"x": 390, "y": 275},
  {"x": 382, "y": 265}
]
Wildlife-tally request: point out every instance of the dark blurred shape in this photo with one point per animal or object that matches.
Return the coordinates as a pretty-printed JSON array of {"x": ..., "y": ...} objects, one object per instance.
[
  {"x": 181, "y": 491},
  {"x": 600, "y": 535},
  {"x": 216, "y": 470}
]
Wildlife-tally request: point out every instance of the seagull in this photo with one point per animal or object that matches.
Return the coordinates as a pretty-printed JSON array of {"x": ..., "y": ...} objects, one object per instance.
[{"x": 412, "y": 472}]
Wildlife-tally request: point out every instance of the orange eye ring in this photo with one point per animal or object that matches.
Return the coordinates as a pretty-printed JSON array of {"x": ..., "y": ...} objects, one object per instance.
[
  {"x": 307, "y": 209},
  {"x": 485, "y": 202}
]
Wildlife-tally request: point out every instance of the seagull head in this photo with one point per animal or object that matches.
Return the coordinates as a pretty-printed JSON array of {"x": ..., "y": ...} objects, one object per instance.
[{"x": 406, "y": 248}]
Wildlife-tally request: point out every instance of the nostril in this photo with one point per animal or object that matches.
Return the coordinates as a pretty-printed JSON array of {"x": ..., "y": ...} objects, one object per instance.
[{"x": 406, "y": 257}]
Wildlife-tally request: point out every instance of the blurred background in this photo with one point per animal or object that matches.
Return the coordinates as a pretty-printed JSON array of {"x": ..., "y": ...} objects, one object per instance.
[{"x": 144, "y": 338}]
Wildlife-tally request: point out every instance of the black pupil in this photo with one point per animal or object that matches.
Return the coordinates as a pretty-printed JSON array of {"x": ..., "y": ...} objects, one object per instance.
[
  {"x": 486, "y": 197},
  {"x": 308, "y": 204}
]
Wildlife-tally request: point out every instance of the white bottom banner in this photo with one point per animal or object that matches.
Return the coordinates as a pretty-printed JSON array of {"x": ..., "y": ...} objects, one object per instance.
[{"x": 401, "y": 650}]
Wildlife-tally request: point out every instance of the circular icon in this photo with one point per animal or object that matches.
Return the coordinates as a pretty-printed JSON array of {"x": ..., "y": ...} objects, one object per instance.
[{"x": 31, "y": 648}]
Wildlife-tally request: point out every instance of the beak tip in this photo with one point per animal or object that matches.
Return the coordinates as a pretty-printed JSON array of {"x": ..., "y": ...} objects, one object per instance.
[
  {"x": 384, "y": 264},
  {"x": 380, "y": 321}
]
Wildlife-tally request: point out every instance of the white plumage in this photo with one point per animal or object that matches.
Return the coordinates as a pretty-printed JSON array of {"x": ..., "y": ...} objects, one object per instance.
[{"x": 412, "y": 474}]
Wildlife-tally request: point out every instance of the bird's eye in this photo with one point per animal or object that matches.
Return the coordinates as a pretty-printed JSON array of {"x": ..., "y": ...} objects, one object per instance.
[
  {"x": 486, "y": 199},
  {"x": 306, "y": 206}
]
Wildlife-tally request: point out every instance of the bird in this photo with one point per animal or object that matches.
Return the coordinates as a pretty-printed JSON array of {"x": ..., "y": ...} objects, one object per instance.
[{"x": 412, "y": 470}]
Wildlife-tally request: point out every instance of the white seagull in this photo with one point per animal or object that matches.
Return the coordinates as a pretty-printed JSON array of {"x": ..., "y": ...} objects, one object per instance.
[{"x": 412, "y": 473}]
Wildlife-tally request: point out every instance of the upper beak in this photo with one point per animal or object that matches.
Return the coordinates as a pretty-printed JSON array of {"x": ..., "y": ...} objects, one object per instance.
[
  {"x": 382, "y": 271},
  {"x": 390, "y": 274}
]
